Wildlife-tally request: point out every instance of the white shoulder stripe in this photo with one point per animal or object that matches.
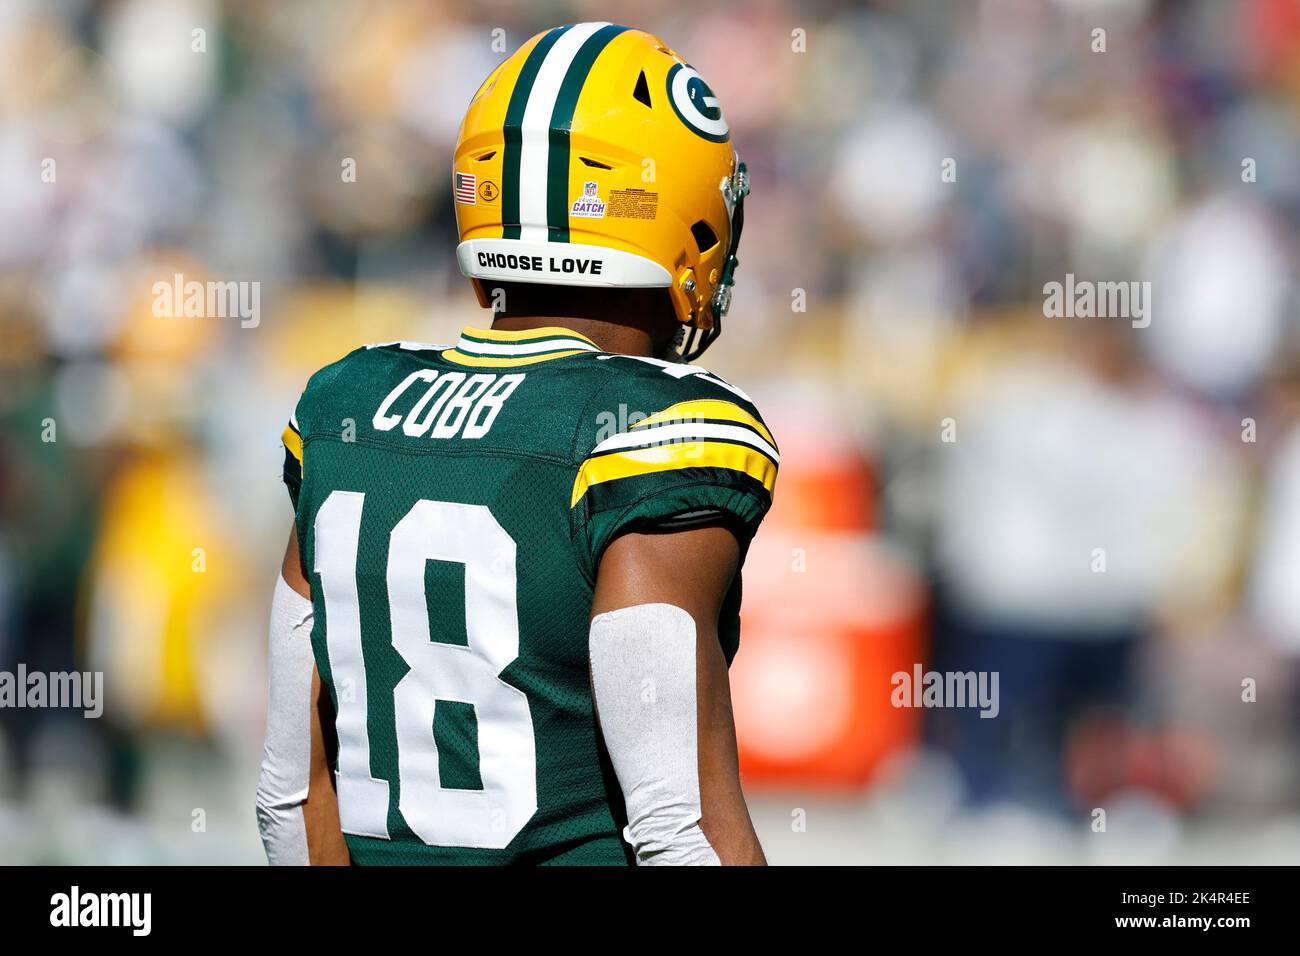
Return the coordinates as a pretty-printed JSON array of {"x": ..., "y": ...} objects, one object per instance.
[
  {"x": 409, "y": 346},
  {"x": 685, "y": 431}
]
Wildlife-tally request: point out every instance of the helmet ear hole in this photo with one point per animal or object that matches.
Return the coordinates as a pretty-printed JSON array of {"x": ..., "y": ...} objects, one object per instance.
[
  {"x": 642, "y": 91},
  {"x": 705, "y": 237}
]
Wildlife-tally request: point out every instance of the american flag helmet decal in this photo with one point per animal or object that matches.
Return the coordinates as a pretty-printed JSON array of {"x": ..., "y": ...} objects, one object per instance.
[{"x": 466, "y": 184}]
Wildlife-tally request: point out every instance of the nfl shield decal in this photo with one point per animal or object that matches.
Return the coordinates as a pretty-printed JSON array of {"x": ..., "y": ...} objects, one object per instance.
[{"x": 589, "y": 205}]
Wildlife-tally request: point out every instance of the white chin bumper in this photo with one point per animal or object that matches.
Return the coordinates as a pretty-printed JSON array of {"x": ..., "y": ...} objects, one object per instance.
[{"x": 558, "y": 263}]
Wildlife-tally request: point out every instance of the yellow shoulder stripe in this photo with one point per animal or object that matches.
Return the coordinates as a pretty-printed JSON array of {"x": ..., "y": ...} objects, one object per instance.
[
  {"x": 711, "y": 408},
  {"x": 293, "y": 442},
  {"x": 695, "y": 454},
  {"x": 506, "y": 361}
]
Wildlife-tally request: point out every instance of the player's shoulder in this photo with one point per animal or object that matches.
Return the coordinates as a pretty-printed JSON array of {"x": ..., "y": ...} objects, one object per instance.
[
  {"x": 359, "y": 374},
  {"x": 375, "y": 359},
  {"x": 654, "y": 382},
  {"x": 668, "y": 445},
  {"x": 643, "y": 393}
]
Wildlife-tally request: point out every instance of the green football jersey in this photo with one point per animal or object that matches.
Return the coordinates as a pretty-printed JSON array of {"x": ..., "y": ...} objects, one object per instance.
[{"x": 452, "y": 505}]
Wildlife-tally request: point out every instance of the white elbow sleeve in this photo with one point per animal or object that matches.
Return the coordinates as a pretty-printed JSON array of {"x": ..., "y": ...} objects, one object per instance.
[
  {"x": 643, "y": 679},
  {"x": 286, "y": 757}
]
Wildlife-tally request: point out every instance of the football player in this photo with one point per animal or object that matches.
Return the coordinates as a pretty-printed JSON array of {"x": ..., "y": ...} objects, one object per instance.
[{"x": 510, "y": 599}]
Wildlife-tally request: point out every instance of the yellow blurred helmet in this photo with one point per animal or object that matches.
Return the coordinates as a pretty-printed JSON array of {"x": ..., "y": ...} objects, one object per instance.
[{"x": 596, "y": 156}]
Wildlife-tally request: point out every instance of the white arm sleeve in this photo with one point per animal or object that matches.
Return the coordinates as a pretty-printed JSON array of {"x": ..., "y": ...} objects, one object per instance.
[
  {"x": 643, "y": 679},
  {"x": 286, "y": 758}
]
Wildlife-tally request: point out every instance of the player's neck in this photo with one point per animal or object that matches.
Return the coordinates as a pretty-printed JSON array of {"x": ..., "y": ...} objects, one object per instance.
[{"x": 609, "y": 336}]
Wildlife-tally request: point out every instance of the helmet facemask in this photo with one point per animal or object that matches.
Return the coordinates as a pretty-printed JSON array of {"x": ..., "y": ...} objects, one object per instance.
[{"x": 692, "y": 341}]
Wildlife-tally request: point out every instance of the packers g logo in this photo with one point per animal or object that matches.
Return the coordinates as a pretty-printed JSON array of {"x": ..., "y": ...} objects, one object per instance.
[{"x": 695, "y": 104}]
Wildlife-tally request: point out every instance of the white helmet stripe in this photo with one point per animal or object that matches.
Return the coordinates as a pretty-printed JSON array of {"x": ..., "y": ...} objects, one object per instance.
[{"x": 535, "y": 138}]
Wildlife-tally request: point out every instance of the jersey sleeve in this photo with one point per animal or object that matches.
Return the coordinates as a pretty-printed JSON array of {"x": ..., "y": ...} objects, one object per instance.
[
  {"x": 698, "y": 452},
  {"x": 307, "y": 416},
  {"x": 291, "y": 438}
]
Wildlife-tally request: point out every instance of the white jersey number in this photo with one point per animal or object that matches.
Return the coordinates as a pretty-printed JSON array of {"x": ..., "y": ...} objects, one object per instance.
[{"x": 431, "y": 531}]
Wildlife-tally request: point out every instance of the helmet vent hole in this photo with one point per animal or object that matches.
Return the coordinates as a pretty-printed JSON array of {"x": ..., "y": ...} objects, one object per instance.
[
  {"x": 642, "y": 91},
  {"x": 486, "y": 156},
  {"x": 593, "y": 163},
  {"x": 705, "y": 237}
]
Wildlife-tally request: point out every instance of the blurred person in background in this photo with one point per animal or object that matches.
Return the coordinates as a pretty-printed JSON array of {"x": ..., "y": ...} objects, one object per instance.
[
  {"x": 48, "y": 506},
  {"x": 1078, "y": 502}
]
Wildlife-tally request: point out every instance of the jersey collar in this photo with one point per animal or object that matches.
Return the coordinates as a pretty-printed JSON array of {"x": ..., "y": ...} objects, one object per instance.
[{"x": 497, "y": 347}]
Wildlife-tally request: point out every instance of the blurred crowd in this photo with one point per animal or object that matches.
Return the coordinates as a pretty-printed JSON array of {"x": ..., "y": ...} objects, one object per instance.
[{"x": 1105, "y": 513}]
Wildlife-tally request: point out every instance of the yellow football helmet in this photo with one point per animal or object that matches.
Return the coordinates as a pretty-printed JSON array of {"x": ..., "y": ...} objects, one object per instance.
[{"x": 597, "y": 156}]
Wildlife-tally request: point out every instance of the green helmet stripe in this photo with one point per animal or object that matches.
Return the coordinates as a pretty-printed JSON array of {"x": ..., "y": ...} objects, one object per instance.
[{"x": 512, "y": 131}]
